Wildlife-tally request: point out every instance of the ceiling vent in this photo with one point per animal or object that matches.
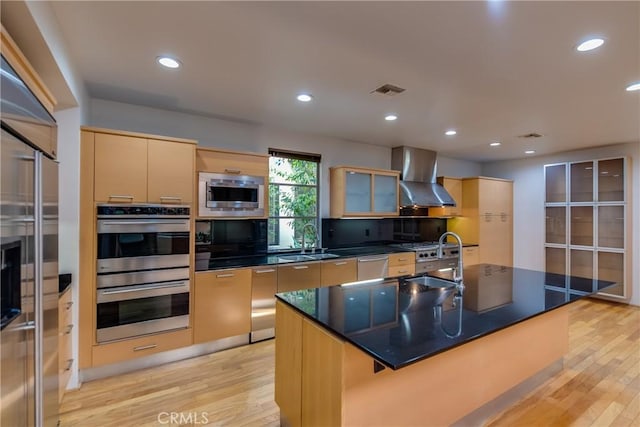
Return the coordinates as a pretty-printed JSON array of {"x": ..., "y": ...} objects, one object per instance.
[
  {"x": 531, "y": 135},
  {"x": 388, "y": 89}
]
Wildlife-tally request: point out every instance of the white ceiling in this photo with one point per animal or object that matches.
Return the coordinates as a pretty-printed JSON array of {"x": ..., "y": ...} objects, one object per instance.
[{"x": 492, "y": 70}]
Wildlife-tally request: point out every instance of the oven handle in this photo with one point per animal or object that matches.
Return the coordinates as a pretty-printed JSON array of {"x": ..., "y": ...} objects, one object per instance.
[
  {"x": 146, "y": 222},
  {"x": 143, "y": 226},
  {"x": 146, "y": 291}
]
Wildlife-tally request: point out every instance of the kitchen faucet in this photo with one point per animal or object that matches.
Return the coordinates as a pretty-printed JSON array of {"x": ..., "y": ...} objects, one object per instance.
[
  {"x": 315, "y": 232},
  {"x": 457, "y": 271}
]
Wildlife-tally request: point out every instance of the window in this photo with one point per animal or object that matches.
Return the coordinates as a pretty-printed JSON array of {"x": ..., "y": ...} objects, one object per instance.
[{"x": 293, "y": 199}]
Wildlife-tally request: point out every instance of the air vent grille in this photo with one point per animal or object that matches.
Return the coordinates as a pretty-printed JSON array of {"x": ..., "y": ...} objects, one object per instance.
[
  {"x": 388, "y": 89},
  {"x": 531, "y": 135}
]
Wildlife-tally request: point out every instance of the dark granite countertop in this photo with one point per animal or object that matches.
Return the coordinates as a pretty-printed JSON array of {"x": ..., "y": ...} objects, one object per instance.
[
  {"x": 204, "y": 263},
  {"x": 399, "y": 322}
]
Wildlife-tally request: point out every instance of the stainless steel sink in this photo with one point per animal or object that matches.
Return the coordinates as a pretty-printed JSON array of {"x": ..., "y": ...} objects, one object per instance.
[
  {"x": 432, "y": 282},
  {"x": 305, "y": 257}
]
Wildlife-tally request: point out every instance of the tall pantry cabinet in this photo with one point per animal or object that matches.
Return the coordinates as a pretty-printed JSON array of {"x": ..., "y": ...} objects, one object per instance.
[{"x": 487, "y": 218}]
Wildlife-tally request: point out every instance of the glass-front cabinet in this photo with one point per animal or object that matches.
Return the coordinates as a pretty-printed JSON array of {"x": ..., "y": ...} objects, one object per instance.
[
  {"x": 359, "y": 192},
  {"x": 587, "y": 222}
]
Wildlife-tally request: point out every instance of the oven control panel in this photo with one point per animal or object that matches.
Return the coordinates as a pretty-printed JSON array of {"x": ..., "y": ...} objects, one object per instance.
[{"x": 142, "y": 210}]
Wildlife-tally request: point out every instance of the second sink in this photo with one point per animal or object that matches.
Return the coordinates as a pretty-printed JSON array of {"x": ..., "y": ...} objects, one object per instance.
[{"x": 305, "y": 257}]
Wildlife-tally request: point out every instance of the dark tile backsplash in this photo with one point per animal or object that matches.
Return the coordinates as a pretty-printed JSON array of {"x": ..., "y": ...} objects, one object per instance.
[{"x": 342, "y": 233}]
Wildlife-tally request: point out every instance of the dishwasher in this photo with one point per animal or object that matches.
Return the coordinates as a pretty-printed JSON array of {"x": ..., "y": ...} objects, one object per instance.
[{"x": 372, "y": 267}]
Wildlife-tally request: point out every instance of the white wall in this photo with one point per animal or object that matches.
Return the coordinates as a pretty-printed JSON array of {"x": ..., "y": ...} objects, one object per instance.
[
  {"x": 225, "y": 134},
  {"x": 528, "y": 216}
]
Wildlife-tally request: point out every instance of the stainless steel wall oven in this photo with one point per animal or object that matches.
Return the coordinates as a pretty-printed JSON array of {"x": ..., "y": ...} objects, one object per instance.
[{"x": 143, "y": 270}]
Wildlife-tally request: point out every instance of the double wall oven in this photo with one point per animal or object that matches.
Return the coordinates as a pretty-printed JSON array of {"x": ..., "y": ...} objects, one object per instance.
[{"x": 142, "y": 270}]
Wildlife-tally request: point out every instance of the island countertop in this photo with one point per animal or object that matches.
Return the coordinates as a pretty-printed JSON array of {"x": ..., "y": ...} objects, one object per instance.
[{"x": 400, "y": 321}]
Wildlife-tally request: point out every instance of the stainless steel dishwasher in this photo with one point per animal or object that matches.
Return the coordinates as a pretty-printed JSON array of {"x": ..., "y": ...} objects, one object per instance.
[
  {"x": 263, "y": 302},
  {"x": 372, "y": 267}
]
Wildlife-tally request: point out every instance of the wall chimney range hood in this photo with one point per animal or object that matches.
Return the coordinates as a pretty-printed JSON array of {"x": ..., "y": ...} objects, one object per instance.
[{"x": 418, "y": 187}]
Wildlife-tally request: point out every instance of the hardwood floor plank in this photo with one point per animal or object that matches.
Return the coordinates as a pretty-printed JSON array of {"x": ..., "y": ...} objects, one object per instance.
[{"x": 598, "y": 387}]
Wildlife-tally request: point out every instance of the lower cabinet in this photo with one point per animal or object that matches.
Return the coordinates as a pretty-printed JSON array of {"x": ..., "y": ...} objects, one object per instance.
[
  {"x": 222, "y": 304},
  {"x": 402, "y": 264},
  {"x": 119, "y": 351},
  {"x": 304, "y": 275},
  {"x": 338, "y": 271},
  {"x": 65, "y": 353},
  {"x": 470, "y": 256}
]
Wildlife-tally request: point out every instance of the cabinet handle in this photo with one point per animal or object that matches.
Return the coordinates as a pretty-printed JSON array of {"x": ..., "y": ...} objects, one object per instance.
[
  {"x": 145, "y": 347},
  {"x": 487, "y": 218},
  {"x": 221, "y": 276},
  {"x": 402, "y": 259},
  {"x": 373, "y": 259},
  {"x": 236, "y": 171},
  {"x": 403, "y": 271},
  {"x": 69, "y": 365},
  {"x": 69, "y": 328},
  {"x": 69, "y": 304},
  {"x": 271, "y": 270},
  {"x": 115, "y": 196},
  {"x": 340, "y": 263},
  {"x": 170, "y": 198},
  {"x": 300, "y": 267}
]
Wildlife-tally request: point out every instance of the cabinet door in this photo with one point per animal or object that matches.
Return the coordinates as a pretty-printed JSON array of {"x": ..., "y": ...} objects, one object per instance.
[
  {"x": 222, "y": 304},
  {"x": 385, "y": 194},
  {"x": 358, "y": 192},
  {"x": 120, "y": 168},
  {"x": 495, "y": 197},
  {"x": 170, "y": 172},
  {"x": 470, "y": 256},
  {"x": 496, "y": 239},
  {"x": 298, "y": 276},
  {"x": 338, "y": 271},
  {"x": 232, "y": 163}
]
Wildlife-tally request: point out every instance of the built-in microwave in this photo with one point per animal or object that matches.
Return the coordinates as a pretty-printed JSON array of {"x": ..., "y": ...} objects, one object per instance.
[{"x": 222, "y": 195}]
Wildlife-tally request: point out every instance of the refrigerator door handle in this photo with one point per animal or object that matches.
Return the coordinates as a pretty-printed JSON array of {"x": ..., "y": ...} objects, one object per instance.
[{"x": 26, "y": 326}]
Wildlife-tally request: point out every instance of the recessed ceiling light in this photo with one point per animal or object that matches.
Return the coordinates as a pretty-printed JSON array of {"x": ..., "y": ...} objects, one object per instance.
[
  {"x": 495, "y": 144},
  {"x": 168, "y": 62},
  {"x": 390, "y": 117},
  {"x": 450, "y": 132},
  {"x": 529, "y": 152},
  {"x": 304, "y": 97},
  {"x": 634, "y": 86},
  {"x": 590, "y": 44}
]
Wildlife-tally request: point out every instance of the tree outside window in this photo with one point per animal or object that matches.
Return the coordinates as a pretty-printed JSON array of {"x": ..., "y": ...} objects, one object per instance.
[{"x": 293, "y": 199}]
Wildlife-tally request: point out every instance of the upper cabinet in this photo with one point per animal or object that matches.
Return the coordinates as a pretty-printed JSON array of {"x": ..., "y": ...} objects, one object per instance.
[
  {"x": 134, "y": 168},
  {"x": 454, "y": 188},
  {"x": 359, "y": 192},
  {"x": 231, "y": 162},
  {"x": 487, "y": 196}
]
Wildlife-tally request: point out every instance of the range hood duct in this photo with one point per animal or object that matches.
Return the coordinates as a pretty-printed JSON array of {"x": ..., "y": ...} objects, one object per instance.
[{"x": 418, "y": 187}]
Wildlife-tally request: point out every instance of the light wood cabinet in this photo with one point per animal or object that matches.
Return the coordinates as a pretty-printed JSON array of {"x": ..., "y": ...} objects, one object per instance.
[
  {"x": 65, "y": 350},
  {"x": 470, "y": 256},
  {"x": 120, "y": 168},
  {"x": 487, "y": 219},
  {"x": 138, "y": 168},
  {"x": 454, "y": 188},
  {"x": 170, "y": 173},
  {"x": 222, "y": 304},
  {"x": 120, "y": 351},
  {"x": 304, "y": 275},
  {"x": 232, "y": 162},
  {"x": 401, "y": 264},
  {"x": 359, "y": 192},
  {"x": 338, "y": 271}
]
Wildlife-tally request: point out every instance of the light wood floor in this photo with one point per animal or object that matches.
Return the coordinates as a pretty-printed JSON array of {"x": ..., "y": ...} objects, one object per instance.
[{"x": 600, "y": 385}]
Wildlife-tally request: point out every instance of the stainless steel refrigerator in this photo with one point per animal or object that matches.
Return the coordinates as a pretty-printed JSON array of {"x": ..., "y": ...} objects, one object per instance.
[{"x": 29, "y": 259}]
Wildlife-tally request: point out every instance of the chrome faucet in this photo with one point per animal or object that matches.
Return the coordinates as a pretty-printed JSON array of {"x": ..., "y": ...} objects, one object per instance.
[
  {"x": 315, "y": 232},
  {"x": 457, "y": 271}
]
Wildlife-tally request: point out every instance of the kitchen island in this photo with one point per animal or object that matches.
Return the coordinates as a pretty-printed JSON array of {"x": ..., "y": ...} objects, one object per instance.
[{"x": 413, "y": 351}]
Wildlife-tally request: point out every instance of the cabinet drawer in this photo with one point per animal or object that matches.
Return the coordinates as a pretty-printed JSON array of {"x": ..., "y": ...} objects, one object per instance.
[
  {"x": 232, "y": 163},
  {"x": 402, "y": 270},
  {"x": 404, "y": 258},
  {"x": 299, "y": 276},
  {"x": 138, "y": 347},
  {"x": 338, "y": 271},
  {"x": 64, "y": 310}
]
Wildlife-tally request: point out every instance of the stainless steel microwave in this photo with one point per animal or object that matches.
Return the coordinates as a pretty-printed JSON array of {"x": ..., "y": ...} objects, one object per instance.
[{"x": 222, "y": 195}]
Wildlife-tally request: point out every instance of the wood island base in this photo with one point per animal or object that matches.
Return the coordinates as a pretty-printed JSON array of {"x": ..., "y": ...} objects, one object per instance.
[{"x": 321, "y": 379}]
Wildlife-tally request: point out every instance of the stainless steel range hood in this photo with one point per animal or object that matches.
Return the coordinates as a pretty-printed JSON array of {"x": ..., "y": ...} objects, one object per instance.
[{"x": 418, "y": 187}]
